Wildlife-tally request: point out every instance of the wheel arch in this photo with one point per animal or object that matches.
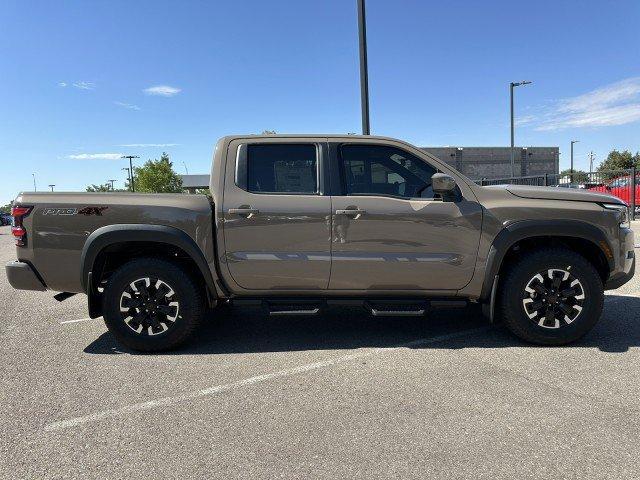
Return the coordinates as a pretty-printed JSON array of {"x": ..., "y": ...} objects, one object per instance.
[
  {"x": 162, "y": 236},
  {"x": 573, "y": 233}
]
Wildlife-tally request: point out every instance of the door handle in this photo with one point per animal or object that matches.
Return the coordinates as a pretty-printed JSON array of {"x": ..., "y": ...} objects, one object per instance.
[
  {"x": 351, "y": 211},
  {"x": 243, "y": 211}
]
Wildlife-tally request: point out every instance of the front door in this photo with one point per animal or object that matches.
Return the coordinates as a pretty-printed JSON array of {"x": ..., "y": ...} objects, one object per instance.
[
  {"x": 276, "y": 215},
  {"x": 389, "y": 232}
]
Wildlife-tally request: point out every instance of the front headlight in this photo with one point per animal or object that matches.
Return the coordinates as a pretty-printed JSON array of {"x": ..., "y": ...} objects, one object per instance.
[{"x": 623, "y": 213}]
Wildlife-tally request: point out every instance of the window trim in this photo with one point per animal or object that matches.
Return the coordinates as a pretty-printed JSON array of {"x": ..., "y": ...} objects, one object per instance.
[
  {"x": 241, "y": 173},
  {"x": 343, "y": 180}
]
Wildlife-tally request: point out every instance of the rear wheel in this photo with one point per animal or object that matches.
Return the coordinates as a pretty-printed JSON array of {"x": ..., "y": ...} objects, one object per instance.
[
  {"x": 152, "y": 304},
  {"x": 551, "y": 297}
]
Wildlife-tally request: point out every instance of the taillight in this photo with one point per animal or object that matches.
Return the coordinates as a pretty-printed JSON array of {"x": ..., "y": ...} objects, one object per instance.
[{"x": 18, "y": 231}]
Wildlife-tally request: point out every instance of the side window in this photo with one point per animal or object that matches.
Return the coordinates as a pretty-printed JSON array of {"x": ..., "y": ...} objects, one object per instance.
[
  {"x": 282, "y": 168},
  {"x": 384, "y": 170}
]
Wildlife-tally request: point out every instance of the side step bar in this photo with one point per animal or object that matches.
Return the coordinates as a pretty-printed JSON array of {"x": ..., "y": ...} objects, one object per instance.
[{"x": 382, "y": 307}]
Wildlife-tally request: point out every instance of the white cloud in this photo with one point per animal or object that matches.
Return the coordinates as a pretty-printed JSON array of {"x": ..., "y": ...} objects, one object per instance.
[
  {"x": 614, "y": 104},
  {"x": 96, "y": 156},
  {"x": 144, "y": 145},
  {"x": 130, "y": 106},
  {"x": 84, "y": 85},
  {"x": 62, "y": 84},
  {"x": 162, "y": 90}
]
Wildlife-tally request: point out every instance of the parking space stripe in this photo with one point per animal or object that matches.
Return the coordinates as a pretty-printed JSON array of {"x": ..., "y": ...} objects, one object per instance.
[
  {"x": 78, "y": 320},
  {"x": 166, "y": 401}
]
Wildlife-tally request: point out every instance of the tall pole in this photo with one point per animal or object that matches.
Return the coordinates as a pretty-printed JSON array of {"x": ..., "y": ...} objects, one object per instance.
[
  {"x": 513, "y": 168},
  {"x": 572, "y": 142},
  {"x": 52, "y": 185},
  {"x": 364, "y": 76},
  {"x": 511, "y": 86},
  {"x": 131, "y": 173},
  {"x": 591, "y": 161},
  {"x": 111, "y": 181},
  {"x": 35, "y": 189},
  {"x": 128, "y": 174}
]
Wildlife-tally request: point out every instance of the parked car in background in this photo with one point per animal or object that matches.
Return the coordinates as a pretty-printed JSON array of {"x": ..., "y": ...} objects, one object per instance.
[
  {"x": 621, "y": 187},
  {"x": 5, "y": 219}
]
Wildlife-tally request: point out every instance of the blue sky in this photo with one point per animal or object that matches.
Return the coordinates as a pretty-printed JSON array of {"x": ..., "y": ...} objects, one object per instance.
[{"x": 83, "y": 82}]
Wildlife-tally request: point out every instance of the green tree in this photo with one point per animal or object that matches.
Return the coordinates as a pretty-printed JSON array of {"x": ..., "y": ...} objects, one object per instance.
[
  {"x": 99, "y": 188},
  {"x": 6, "y": 208},
  {"x": 157, "y": 176},
  {"x": 620, "y": 161},
  {"x": 578, "y": 176}
]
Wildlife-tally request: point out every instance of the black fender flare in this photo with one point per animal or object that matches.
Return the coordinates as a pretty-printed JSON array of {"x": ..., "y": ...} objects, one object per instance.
[
  {"x": 111, "y": 234},
  {"x": 517, "y": 231}
]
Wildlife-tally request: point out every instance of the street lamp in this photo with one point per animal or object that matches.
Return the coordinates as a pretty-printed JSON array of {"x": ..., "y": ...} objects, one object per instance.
[
  {"x": 572, "y": 142},
  {"x": 35, "y": 189},
  {"x": 131, "y": 157},
  {"x": 511, "y": 86},
  {"x": 111, "y": 180},
  {"x": 51, "y": 185}
]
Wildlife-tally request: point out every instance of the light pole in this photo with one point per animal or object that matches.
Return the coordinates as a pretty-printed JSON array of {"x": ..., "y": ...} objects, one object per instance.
[
  {"x": 364, "y": 76},
  {"x": 591, "y": 155},
  {"x": 511, "y": 86},
  {"x": 185, "y": 168},
  {"x": 52, "y": 185},
  {"x": 111, "y": 181},
  {"x": 131, "y": 157},
  {"x": 35, "y": 189},
  {"x": 572, "y": 142}
]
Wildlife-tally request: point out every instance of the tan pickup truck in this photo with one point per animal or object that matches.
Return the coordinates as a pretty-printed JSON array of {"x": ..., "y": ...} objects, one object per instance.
[{"x": 295, "y": 223}]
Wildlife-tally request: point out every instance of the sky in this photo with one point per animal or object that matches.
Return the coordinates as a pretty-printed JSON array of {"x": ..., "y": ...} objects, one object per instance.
[{"x": 84, "y": 82}]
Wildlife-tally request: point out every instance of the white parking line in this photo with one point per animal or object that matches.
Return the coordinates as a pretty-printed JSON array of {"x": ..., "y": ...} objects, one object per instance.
[
  {"x": 162, "y": 402},
  {"x": 78, "y": 320}
]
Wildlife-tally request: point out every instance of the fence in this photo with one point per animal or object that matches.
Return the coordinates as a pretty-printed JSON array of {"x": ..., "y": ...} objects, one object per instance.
[{"x": 624, "y": 184}]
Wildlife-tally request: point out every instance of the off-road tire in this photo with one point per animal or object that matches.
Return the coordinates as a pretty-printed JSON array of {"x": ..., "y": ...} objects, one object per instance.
[
  {"x": 188, "y": 315},
  {"x": 513, "y": 293}
]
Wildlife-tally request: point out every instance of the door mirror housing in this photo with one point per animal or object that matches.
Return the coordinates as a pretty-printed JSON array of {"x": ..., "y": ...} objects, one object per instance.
[{"x": 443, "y": 184}]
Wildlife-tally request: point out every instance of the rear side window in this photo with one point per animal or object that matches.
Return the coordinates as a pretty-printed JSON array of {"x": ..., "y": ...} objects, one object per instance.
[{"x": 282, "y": 168}]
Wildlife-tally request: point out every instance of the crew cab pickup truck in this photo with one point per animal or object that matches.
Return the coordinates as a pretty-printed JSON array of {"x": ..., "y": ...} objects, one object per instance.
[{"x": 296, "y": 223}]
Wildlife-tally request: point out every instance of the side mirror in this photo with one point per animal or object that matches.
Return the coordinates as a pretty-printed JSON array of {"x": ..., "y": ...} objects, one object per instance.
[{"x": 443, "y": 184}]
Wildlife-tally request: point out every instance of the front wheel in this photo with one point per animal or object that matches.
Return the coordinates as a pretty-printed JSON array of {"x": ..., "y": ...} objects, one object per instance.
[
  {"x": 551, "y": 297},
  {"x": 152, "y": 305}
]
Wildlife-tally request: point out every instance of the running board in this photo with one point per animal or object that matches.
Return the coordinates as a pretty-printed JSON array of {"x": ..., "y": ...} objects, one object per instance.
[
  {"x": 292, "y": 308},
  {"x": 313, "y": 311},
  {"x": 398, "y": 308},
  {"x": 380, "y": 307}
]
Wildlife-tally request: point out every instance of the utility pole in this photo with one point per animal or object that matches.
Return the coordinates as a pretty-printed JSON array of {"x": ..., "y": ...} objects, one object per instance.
[
  {"x": 511, "y": 87},
  {"x": 35, "y": 189},
  {"x": 364, "y": 76},
  {"x": 185, "y": 168},
  {"x": 128, "y": 174},
  {"x": 572, "y": 142},
  {"x": 591, "y": 161},
  {"x": 131, "y": 157},
  {"x": 52, "y": 185},
  {"x": 112, "y": 181}
]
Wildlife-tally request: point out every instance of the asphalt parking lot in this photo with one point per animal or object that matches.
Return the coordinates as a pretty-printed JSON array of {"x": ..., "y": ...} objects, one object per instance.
[{"x": 342, "y": 395}]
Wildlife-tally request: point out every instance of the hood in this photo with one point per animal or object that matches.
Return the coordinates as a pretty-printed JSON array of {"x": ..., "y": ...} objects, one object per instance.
[{"x": 559, "y": 193}]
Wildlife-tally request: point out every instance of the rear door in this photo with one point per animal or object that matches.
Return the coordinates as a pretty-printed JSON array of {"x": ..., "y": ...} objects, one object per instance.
[
  {"x": 276, "y": 214},
  {"x": 389, "y": 230}
]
